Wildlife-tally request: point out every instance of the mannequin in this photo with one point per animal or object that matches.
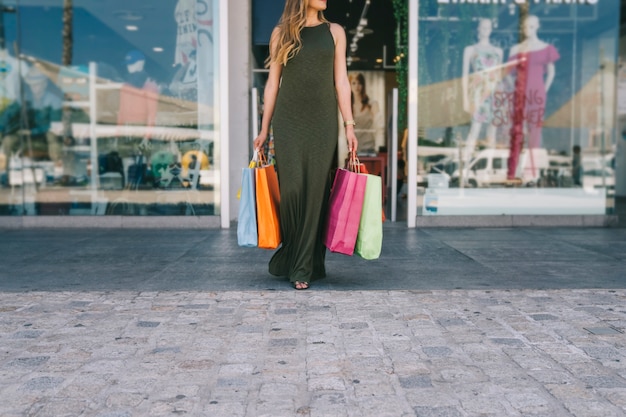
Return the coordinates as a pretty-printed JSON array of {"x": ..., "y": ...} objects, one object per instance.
[
  {"x": 534, "y": 68},
  {"x": 484, "y": 60}
]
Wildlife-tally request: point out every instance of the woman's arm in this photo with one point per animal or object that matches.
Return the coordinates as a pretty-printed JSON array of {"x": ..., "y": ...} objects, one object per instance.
[
  {"x": 342, "y": 84},
  {"x": 269, "y": 95}
]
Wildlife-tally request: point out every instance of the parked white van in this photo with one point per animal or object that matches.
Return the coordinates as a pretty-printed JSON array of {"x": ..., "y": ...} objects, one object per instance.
[{"x": 490, "y": 166}]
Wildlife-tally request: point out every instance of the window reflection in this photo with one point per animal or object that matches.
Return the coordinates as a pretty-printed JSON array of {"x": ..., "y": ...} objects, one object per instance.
[
  {"x": 518, "y": 100},
  {"x": 125, "y": 129}
]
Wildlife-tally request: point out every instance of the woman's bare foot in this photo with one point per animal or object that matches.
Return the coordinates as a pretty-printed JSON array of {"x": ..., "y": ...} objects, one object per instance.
[{"x": 300, "y": 285}]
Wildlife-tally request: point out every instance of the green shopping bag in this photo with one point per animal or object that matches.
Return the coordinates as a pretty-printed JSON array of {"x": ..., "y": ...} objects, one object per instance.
[{"x": 369, "y": 240}]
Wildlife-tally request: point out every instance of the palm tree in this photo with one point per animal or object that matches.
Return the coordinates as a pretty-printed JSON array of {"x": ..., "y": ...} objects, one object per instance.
[
  {"x": 68, "y": 15},
  {"x": 3, "y": 9}
]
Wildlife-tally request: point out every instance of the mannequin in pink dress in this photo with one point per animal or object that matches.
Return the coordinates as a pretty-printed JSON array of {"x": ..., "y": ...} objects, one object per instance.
[{"x": 533, "y": 64}]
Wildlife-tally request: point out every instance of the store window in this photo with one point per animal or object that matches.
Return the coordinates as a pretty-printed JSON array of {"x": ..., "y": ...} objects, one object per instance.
[
  {"x": 520, "y": 98},
  {"x": 117, "y": 118}
]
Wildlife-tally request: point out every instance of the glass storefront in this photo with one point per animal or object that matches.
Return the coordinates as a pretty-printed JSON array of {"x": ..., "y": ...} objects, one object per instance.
[
  {"x": 517, "y": 106},
  {"x": 107, "y": 108},
  {"x": 517, "y": 109}
]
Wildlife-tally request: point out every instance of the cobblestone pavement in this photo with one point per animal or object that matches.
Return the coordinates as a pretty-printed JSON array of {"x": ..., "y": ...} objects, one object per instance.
[{"x": 156, "y": 335}]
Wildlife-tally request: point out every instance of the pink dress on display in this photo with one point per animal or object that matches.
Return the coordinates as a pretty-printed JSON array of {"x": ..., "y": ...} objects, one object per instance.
[{"x": 530, "y": 99}]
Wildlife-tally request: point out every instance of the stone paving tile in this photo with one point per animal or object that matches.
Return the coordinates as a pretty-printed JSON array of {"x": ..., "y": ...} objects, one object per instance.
[{"x": 318, "y": 353}]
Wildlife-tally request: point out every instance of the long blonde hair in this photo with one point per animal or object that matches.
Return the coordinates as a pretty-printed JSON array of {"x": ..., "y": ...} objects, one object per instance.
[{"x": 288, "y": 42}]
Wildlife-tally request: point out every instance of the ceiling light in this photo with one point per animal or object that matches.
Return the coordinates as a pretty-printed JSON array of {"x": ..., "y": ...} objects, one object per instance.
[
  {"x": 132, "y": 28},
  {"x": 128, "y": 15},
  {"x": 157, "y": 49},
  {"x": 361, "y": 30},
  {"x": 379, "y": 60}
]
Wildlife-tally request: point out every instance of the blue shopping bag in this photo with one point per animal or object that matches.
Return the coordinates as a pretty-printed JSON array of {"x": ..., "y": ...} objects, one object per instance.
[{"x": 247, "y": 234}]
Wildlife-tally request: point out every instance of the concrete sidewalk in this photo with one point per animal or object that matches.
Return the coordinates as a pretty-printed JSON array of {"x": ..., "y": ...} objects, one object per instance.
[{"x": 465, "y": 322}]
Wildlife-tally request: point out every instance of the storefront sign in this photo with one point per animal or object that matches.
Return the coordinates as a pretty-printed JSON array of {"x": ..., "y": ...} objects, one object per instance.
[{"x": 518, "y": 1}]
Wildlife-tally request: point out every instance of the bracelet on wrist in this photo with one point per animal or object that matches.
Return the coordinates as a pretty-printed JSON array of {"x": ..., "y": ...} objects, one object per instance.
[{"x": 349, "y": 122}]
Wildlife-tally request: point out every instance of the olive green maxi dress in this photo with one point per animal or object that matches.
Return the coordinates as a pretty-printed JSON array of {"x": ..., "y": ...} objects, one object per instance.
[{"x": 305, "y": 126}]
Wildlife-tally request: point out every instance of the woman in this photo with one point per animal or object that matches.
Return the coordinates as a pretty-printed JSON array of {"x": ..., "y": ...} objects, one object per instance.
[
  {"x": 365, "y": 112},
  {"x": 307, "y": 80}
]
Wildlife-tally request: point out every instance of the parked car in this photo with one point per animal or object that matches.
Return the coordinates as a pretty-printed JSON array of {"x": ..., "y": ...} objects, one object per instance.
[{"x": 490, "y": 167}]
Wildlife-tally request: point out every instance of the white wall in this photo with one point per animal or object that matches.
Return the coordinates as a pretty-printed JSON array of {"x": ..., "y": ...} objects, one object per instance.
[{"x": 239, "y": 27}]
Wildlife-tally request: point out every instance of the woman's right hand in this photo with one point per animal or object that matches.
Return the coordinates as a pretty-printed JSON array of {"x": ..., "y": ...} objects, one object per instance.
[
  {"x": 259, "y": 141},
  {"x": 353, "y": 143}
]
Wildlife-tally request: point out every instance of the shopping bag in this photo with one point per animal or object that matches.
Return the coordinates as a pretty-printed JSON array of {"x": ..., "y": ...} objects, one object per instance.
[
  {"x": 363, "y": 170},
  {"x": 267, "y": 205},
  {"x": 247, "y": 234},
  {"x": 369, "y": 240},
  {"x": 346, "y": 202}
]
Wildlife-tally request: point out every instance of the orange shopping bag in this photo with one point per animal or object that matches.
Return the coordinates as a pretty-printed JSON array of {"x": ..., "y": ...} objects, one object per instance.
[{"x": 267, "y": 205}]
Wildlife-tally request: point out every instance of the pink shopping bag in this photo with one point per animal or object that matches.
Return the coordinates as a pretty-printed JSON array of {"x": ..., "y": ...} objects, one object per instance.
[{"x": 344, "y": 214}]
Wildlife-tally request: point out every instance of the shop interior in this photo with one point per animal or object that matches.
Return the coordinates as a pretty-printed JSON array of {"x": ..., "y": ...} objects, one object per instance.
[
  {"x": 371, "y": 31},
  {"x": 115, "y": 120}
]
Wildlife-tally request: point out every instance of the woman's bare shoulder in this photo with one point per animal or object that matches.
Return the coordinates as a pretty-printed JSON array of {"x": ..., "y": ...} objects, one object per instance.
[
  {"x": 338, "y": 32},
  {"x": 336, "y": 29}
]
